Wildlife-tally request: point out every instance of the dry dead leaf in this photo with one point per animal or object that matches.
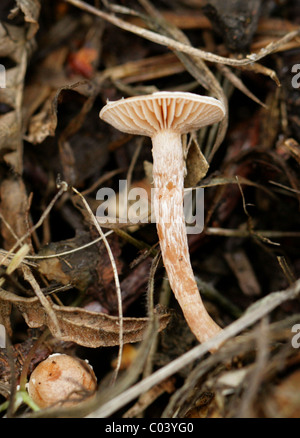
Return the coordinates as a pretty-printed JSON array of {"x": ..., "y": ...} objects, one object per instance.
[
  {"x": 196, "y": 165},
  {"x": 86, "y": 328},
  {"x": 31, "y": 11}
]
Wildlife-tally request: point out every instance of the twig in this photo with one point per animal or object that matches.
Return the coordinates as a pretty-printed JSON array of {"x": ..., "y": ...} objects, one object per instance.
[
  {"x": 29, "y": 357},
  {"x": 28, "y": 276},
  {"x": 226, "y": 232},
  {"x": 238, "y": 83},
  {"x": 71, "y": 251},
  {"x": 286, "y": 269}
]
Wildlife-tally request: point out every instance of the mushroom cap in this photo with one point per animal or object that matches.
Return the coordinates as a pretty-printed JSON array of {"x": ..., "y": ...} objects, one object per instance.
[
  {"x": 165, "y": 110},
  {"x": 61, "y": 379}
]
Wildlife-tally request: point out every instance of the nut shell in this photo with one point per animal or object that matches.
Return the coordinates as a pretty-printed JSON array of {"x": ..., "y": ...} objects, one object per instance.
[{"x": 61, "y": 379}]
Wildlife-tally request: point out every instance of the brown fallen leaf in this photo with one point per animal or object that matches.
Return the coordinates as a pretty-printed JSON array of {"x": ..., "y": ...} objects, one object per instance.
[
  {"x": 196, "y": 165},
  {"x": 31, "y": 11},
  {"x": 86, "y": 328}
]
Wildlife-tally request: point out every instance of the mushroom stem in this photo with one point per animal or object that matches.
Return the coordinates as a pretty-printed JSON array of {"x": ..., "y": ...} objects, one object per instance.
[{"x": 168, "y": 176}]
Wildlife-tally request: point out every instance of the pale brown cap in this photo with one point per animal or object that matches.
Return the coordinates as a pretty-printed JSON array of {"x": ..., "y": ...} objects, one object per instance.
[
  {"x": 178, "y": 111},
  {"x": 61, "y": 379}
]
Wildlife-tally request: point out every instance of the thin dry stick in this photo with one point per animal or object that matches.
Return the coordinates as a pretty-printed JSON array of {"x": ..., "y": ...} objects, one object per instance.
[
  {"x": 29, "y": 357},
  {"x": 286, "y": 269},
  {"x": 116, "y": 277},
  {"x": 28, "y": 276},
  {"x": 228, "y": 232},
  {"x": 255, "y": 312},
  {"x": 151, "y": 315},
  {"x": 175, "y": 45},
  {"x": 250, "y": 220},
  {"x": 10, "y": 229},
  {"x": 71, "y": 251},
  {"x": 284, "y": 187},
  {"x": 238, "y": 83}
]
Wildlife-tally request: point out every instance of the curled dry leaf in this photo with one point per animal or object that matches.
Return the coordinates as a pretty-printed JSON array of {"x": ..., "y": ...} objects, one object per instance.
[
  {"x": 86, "y": 328},
  {"x": 31, "y": 11},
  {"x": 196, "y": 165}
]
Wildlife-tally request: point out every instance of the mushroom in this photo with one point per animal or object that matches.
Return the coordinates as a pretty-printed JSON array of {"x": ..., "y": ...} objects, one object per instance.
[
  {"x": 164, "y": 117},
  {"x": 61, "y": 379}
]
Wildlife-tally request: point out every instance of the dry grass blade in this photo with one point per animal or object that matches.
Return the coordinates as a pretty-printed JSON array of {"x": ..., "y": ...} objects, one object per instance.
[
  {"x": 264, "y": 234},
  {"x": 236, "y": 81},
  {"x": 15, "y": 262}
]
